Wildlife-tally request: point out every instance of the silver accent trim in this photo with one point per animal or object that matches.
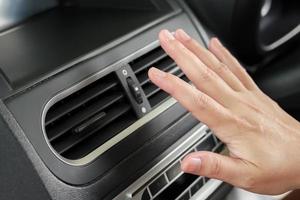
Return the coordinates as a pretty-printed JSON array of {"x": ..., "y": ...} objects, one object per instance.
[
  {"x": 207, "y": 190},
  {"x": 283, "y": 39},
  {"x": 237, "y": 194},
  {"x": 189, "y": 188},
  {"x": 136, "y": 190},
  {"x": 198, "y": 131},
  {"x": 123, "y": 134},
  {"x": 266, "y": 8}
]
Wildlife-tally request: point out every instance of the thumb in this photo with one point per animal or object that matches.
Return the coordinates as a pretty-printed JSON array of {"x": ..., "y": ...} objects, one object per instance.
[{"x": 212, "y": 165}]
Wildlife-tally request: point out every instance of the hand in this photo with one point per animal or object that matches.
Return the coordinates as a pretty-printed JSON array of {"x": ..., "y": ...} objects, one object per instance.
[{"x": 263, "y": 140}]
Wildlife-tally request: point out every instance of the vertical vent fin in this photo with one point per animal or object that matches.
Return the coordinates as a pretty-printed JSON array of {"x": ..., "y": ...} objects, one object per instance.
[
  {"x": 84, "y": 120},
  {"x": 155, "y": 58}
]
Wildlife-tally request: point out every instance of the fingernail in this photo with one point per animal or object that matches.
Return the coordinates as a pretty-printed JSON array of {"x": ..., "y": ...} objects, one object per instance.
[
  {"x": 183, "y": 35},
  {"x": 168, "y": 36},
  {"x": 191, "y": 165},
  {"x": 158, "y": 74},
  {"x": 217, "y": 42}
]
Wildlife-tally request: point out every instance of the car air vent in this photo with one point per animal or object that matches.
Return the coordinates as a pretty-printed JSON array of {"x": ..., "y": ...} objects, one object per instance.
[
  {"x": 81, "y": 122},
  {"x": 157, "y": 58},
  {"x": 172, "y": 183}
]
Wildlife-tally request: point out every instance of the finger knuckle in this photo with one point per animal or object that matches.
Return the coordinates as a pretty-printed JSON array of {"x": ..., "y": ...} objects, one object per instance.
[
  {"x": 176, "y": 45},
  {"x": 172, "y": 46},
  {"x": 259, "y": 125},
  {"x": 215, "y": 167},
  {"x": 275, "y": 105},
  {"x": 241, "y": 123},
  {"x": 241, "y": 69},
  {"x": 180, "y": 52},
  {"x": 190, "y": 42},
  {"x": 200, "y": 101},
  {"x": 206, "y": 75},
  {"x": 175, "y": 82},
  {"x": 221, "y": 68}
]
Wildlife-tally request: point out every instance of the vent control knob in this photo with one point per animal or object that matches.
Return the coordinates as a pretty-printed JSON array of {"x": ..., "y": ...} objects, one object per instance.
[{"x": 134, "y": 90}]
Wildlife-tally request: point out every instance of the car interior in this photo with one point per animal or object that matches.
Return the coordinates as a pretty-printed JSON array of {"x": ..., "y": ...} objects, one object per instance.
[{"x": 80, "y": 118}]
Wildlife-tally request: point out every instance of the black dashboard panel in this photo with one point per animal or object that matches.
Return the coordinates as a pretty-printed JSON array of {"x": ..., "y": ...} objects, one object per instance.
[
  {"x": 49, "y": 42},
  {"x": 281, "y": 79},
  {"x": 66, "y": 51},
  {"x": 255, "y": 31},
  {"x": 110, "y": 173},
  {"x": 13, "y": 159},
  {"x": 21, "y": 105}
]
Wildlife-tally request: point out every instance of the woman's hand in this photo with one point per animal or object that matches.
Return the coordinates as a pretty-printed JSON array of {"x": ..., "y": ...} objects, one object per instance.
[{"x": 263, "y": 140}]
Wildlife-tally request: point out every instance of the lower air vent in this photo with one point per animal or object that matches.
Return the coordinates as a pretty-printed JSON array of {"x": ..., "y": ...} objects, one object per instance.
[
  {"x": 155, "y": 58},
  {"x": 81, "y": 122},
  {"x": 172, "y": 183}
]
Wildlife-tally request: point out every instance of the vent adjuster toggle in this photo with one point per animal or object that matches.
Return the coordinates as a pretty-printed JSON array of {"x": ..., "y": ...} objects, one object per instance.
[
  {"x": 89, "y": 123},
  {"x": 134, "y": 90}
]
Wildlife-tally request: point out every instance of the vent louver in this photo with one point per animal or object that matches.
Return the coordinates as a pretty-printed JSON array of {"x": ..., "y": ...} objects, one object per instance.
[
  {"x": 81, "y": 122},
  {"x": 155, "y": 58}
]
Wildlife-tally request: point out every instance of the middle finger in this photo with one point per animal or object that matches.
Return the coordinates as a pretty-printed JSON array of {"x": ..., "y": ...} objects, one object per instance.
[{"x": 203, "y": 78}]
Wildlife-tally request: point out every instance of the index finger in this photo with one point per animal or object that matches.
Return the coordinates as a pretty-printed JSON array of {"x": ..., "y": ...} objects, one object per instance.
[{"x": 203, "y": 107}]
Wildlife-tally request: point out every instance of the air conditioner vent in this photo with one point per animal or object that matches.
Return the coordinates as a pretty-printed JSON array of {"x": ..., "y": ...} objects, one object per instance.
[
  {"x": 81, "y": 122},
  {"x": 155, "y": 58}
]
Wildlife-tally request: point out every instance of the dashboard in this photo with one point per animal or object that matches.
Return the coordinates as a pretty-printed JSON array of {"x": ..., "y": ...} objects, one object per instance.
[
  {"x": 80, "y": 118},
  {"x": 93, "y": 125}
]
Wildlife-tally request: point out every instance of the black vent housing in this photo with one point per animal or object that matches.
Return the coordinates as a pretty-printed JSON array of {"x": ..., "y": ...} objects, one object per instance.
[
  {"x": 81, "y": 122},
  {"x": 155, "y": 58}
]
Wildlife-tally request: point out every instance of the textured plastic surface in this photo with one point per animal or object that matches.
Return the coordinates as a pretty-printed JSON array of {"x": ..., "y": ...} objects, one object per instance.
[
  {"x": 19, "y": 180},
  {"x": 98, "y": 180},
  {"x": 21, "y": 106},
  {"x": 52, "y": 39},
  {"x": 281, "y": 81},
  {"x": 249, "y": 34}
]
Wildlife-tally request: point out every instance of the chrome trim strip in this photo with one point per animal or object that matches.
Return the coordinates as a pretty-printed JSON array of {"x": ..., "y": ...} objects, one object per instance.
[
  {"x": 113, "y": 141},
  {"x": 266, "y": 8},
  {"x": 207, "y": 190},
  {"x": 283, "y": 39},
  {"x": 198, "y": 132},
  {"x": 238, "y": 193}
]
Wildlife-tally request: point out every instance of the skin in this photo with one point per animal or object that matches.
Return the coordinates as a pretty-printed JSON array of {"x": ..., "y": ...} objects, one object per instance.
[{"x": 263, "y": 140}]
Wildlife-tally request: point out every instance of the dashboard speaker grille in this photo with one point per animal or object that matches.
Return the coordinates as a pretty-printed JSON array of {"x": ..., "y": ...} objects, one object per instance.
[
  {"x": 155, "y": 58},
  {"x": 81, "y": 122}
]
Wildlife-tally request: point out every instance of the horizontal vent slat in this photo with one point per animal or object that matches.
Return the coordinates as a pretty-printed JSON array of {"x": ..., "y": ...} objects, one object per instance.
[
  {"x": 73, "y": 140},
  {"x": 185, "y": 78},
  {"x": 150, "y": 90},
  {"x": 89, "y": 111},
  {"x": 148, "y": 60},
  {"x": 82, "y": 115},
  {"x": 158, "y": 98},
  {"x": 143, "y": 78},
  {"x": 165, "y": 65},
  {"x": 77, "y": 101},
  {"x": 160, "y": 60},
  {"x": 101, "y": 136}
]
